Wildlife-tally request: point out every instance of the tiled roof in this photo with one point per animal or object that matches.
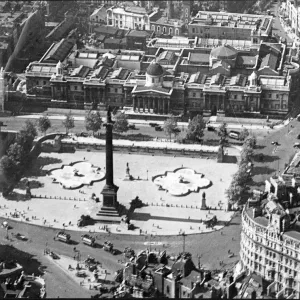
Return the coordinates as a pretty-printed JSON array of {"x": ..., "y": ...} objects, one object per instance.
[
  {"x": 245, "y": 60},
  {"x": 269, "y": 60},
  {"x": 60, "y": 50},
  {"x": 106, "y": 30}
]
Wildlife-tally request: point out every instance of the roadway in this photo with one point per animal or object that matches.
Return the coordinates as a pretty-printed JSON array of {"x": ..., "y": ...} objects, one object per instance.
[
  {"x": 277, "y": 27},
  {"x": 59, "y": 285}
]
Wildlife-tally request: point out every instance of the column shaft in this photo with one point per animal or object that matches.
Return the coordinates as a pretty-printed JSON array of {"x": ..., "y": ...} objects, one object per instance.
[
  {"x": 139, "y": 103},
  {"x": 134, "y": 103},
  {"x": 143, "y": 104}
]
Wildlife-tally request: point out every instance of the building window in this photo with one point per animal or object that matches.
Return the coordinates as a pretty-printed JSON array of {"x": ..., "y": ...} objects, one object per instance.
[
  {"x": 75, "y": 87},
  {"x": 170, "y": 31},
  {"x": 194, "y": 94},
  {"x": 168, "y": 289},
  {"x": 270, "y": 95},
  {"x": 116, "y": 90},
  {"x": 158, "y": 28},
  {"x": 44, "y": 82},
  {"x": 235, "y": 97},
  {"x": 176, "y": 31},
  {"x": 164, "y": 30},
  {"x": 153, "y": 27},
  {"x": 277, "y": 96},
  {"x": 37, "y": 82},
  {"x": 193, "y": 30}
]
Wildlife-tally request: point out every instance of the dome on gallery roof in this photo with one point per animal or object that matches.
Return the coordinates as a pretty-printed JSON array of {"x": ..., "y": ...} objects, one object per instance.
[
  {"x": 155, "y": 69},
  {"x": 224, "y": 52}
]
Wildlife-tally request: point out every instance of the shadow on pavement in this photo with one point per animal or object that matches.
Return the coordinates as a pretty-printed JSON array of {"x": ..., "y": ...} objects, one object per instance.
[
  {"x": 146, "y": 217},
  {"x": 262, "y": 170},
  {"x": 229, "y": 159},
  {"x": 265, "y": 158}
]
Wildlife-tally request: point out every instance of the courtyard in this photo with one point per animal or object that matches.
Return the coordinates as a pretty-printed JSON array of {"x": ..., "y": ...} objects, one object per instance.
[{"x": 54, "y": 206}]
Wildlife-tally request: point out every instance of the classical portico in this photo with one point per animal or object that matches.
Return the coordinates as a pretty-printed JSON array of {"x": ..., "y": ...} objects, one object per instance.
[{"x": 153, "y": 97}]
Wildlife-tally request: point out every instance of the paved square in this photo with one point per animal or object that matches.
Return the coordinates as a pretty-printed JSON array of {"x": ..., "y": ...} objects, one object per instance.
[{"x": 157, "y": 219}]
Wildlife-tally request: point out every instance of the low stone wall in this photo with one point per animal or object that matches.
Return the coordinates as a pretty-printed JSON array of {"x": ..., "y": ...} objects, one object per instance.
[{"x": 76, "y": 146}]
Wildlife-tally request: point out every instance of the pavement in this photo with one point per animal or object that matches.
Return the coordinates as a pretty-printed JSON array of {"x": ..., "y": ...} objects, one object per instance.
[{"x": 155, "y": 217}]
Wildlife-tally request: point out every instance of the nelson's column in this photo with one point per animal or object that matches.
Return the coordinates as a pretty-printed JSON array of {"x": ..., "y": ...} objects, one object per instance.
[{"x": 109, "y": 210}]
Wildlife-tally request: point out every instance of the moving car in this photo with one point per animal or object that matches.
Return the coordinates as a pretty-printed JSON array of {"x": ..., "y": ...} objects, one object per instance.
[
  {"x": 158, "y": 128},
  {"x": 153, "y": 124},
  {"x": 131, "y": 126}
]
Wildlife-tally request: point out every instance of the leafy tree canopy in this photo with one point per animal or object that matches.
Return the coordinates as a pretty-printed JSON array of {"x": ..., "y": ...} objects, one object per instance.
[
  {"x": 93, "y": 121},
  {"x": 169, "y": 126},
  {"x": 44, "y": 124},
  {"x": 121, "y": 123},
  {"x": 196, "y": 127},
  {"x": 68, "y": 122}
]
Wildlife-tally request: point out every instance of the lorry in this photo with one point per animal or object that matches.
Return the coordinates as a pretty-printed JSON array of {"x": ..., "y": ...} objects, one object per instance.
[
  {"x": 109, "y": 246},
  {"x": 63, "y": 237},
  {"x": 88, "y": 240}
]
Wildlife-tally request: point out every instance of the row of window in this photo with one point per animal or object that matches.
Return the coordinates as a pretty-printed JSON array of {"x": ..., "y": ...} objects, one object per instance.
[{"x": 164, "y": 30}]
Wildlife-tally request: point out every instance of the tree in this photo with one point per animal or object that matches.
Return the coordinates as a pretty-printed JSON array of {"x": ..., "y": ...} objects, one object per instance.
[
  {"x": 244, "y": 134},
  {"x": 234, "y": 192},
  {"x": 121, "y": 123},
  {"x": 44, "y": 124},
  {"x": 30, "y": 129},
  {"x": 250, "y": 141},
  {"x": 10, "y": 168},
  {"x": 68, "y": 122},
  {"x": 195, "y": 128},
  {"x": 169, "y": 126},
  {"x": 222, "y": 133},
  {"x": 93, "y": 121}
]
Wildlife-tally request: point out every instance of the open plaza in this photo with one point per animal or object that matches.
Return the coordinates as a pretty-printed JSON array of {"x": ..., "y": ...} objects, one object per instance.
[{"x": 52, "y": 205}]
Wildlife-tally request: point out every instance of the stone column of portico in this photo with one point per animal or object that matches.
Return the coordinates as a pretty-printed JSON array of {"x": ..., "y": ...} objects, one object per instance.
[
  {"x": 134, "y": 102},
  {"x": 208, "y": 101},
  {"x": 153, "y": 104},
  {"x": 84, "y": 94},
  {"x": 258, "y": 102},
  {"x": 144, "y": 104},
  {"x": 159, "y": 105},
  {"x": 281, "y": 98},
  {"x": 139, "y": 104},
  {"x": 148, "y": 104},
  {"x": 164, "y": 106},
  {"x": 168, "y": 111},
  {"x": 204, "y": 100},
  {"x": 52, "y": 92}
]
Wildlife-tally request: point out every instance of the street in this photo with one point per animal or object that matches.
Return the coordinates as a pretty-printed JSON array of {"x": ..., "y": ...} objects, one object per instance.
[
  {"x": 277, "y": 27},
  {"x": 60, "y": 285}
]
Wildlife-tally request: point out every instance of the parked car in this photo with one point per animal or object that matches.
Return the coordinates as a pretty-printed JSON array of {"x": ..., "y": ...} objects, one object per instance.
[
  {"x": 131, "y": 126},
  {"x": 177, "y": 129},
  {"x": 158, "y": 128},
  {"x": 234, "y": 135},
  {"x": 153, "y": 124},
  {"x": 84, "y": 134},
  {"x": 298, "y": 136},
  {"x": 210, "y": 128}
]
